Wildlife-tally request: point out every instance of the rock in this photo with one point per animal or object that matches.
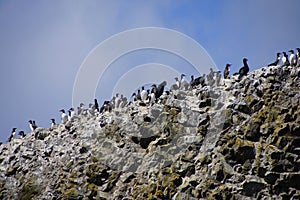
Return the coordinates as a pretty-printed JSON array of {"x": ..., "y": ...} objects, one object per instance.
[
  {"x": 239, "y": 141},
  {"x": 251, "y": 188}
]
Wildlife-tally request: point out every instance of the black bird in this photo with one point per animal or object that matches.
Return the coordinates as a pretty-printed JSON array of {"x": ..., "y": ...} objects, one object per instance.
[
  {"x": 197, "y": 81},
  {"x": 293, "y": 58},
  {"x": 52, "y": 123},
  {"x": 285, "y": 59},
  {"x": 226, "y": 71},
  {"x": 276, "y": 61},
  {"x": 32, "y": 125},
  {"x": 160, "y": 89},
  {"x": 12, "y": 135},
  {"x": 96, "y": 105},
  {"x": 245, "y": 69},
  {"x": 298, "y": 56},
  {"x": 106, "y": 106},
  {"x": 22, "y": 134}
]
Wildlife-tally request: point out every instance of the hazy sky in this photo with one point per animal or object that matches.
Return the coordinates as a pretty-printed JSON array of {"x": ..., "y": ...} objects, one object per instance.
[{"x": 43, "y": 43}]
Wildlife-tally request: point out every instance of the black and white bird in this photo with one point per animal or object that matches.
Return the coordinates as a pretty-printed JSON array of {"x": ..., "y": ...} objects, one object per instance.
[
  {"x": 22, "y": 134},
  {"x": 151, "y": 97},
  {"x": 52, "y": 123},
  {"x": 276, "y": 62},
  {"x": 292, "y": 58},
  {"x": 245, "y": 69},
  {"x": 117, "y": 101},
  {"x": 176, "y": 85},
  {"x": 183, "y": 83},
  {"x": 285, "y": 59},
  {"x": 12, "y": 135},
  {"x": 72, "y": 114},
  {"x": 144, "y": 94},
  {"x": 32, "y": 125},
  {"x": 160, "y": 89},
  {"x": 64, "y": 116},
  {"x": 96, "y": 105},
  {"x": 106, "y": 107},
  {"x": 298, "y": 56},
  {"x": 226, "y": 71}
]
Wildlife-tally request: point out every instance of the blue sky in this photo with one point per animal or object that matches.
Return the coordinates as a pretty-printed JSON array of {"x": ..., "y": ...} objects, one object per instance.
[{"x": 43, "y": 43}]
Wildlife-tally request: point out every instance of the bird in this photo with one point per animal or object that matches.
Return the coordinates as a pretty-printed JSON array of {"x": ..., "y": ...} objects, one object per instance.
[
  {"x": 183, "y": 83},
  {"x": 32, "y": 125},
  {"x": 12, "y": 135},
  {"x": 292, "y": 58},
  {"x": 245, "y": 69},
  {"x": 160, "y": 89},
  {"x": 276, "y": 61},
  {"x": 226, "y": 71},
  {"x": 72, "y": 114},
  {"x": 80, "y": 109},
  {"x": 285, "y": 59},
  {"x": 151, "y": 97},
  {"x": 176, "y": 85},
  {"x": 144, "y": 94},
  {"x": 117, "y": 101},
  {"x": 96, "y": 105},
  {"x": 197, "y": 81},
  {"x": 21, "y": 134},
  {"x": 106, "y": 107},
  {"x": 64, "y": 116},
  {"x": 298, "y": 56},
  {"x": 52, "y": 123}
]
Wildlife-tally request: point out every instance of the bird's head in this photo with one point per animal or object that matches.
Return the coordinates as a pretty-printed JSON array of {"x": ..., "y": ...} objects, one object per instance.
[
  {"x": 14, "y": 129},
  {"x": 291, "y": 51}
]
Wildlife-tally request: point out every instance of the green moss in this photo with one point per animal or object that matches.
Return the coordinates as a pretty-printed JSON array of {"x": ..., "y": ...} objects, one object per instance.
[
  {"x": 71, "y": 194},
  {"x": 29, "y": 190}
]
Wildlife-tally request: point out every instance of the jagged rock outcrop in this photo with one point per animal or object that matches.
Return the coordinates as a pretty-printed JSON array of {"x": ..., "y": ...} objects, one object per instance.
[{"x": 239, "y": 140}]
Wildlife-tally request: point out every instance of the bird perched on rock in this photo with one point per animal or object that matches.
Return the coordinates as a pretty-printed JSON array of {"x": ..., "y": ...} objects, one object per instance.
[
  {"x": 175, "y": 86},
  {"x": 245, "y": 69},
  {"x": 72, "y": 114},
  {"x": 285, "y": 59},
  {"x": 21, "y": 134},
  {"x": 12, "y": 135},
  {"x": 275, "y": 63},
  {"x": 152, "y": 98},
  {"x": 144, "y": 94},
  {"x": 292, "y": 58},
  {"x": 137, "y": 96},
  {"x": 96, "y": 105},
  {"x": 298, "y": 56},
  {"x": 106, "y": 107},
  {"x": 64, "y": 116},
  {"x": 183, "y": 83},
  {"x": 52, "y": 123},
  {"x": 160, "y": 89},
  {"x": 32, "y": 125},
  {"x": 226, "y": 70}
]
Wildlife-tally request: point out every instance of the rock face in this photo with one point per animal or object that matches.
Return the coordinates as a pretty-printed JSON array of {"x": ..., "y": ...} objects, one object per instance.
[{"x": 238, "y": 140}]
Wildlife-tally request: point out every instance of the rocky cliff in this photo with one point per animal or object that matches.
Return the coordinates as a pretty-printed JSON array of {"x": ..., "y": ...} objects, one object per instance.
[{"x": 237, "y": 140}]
